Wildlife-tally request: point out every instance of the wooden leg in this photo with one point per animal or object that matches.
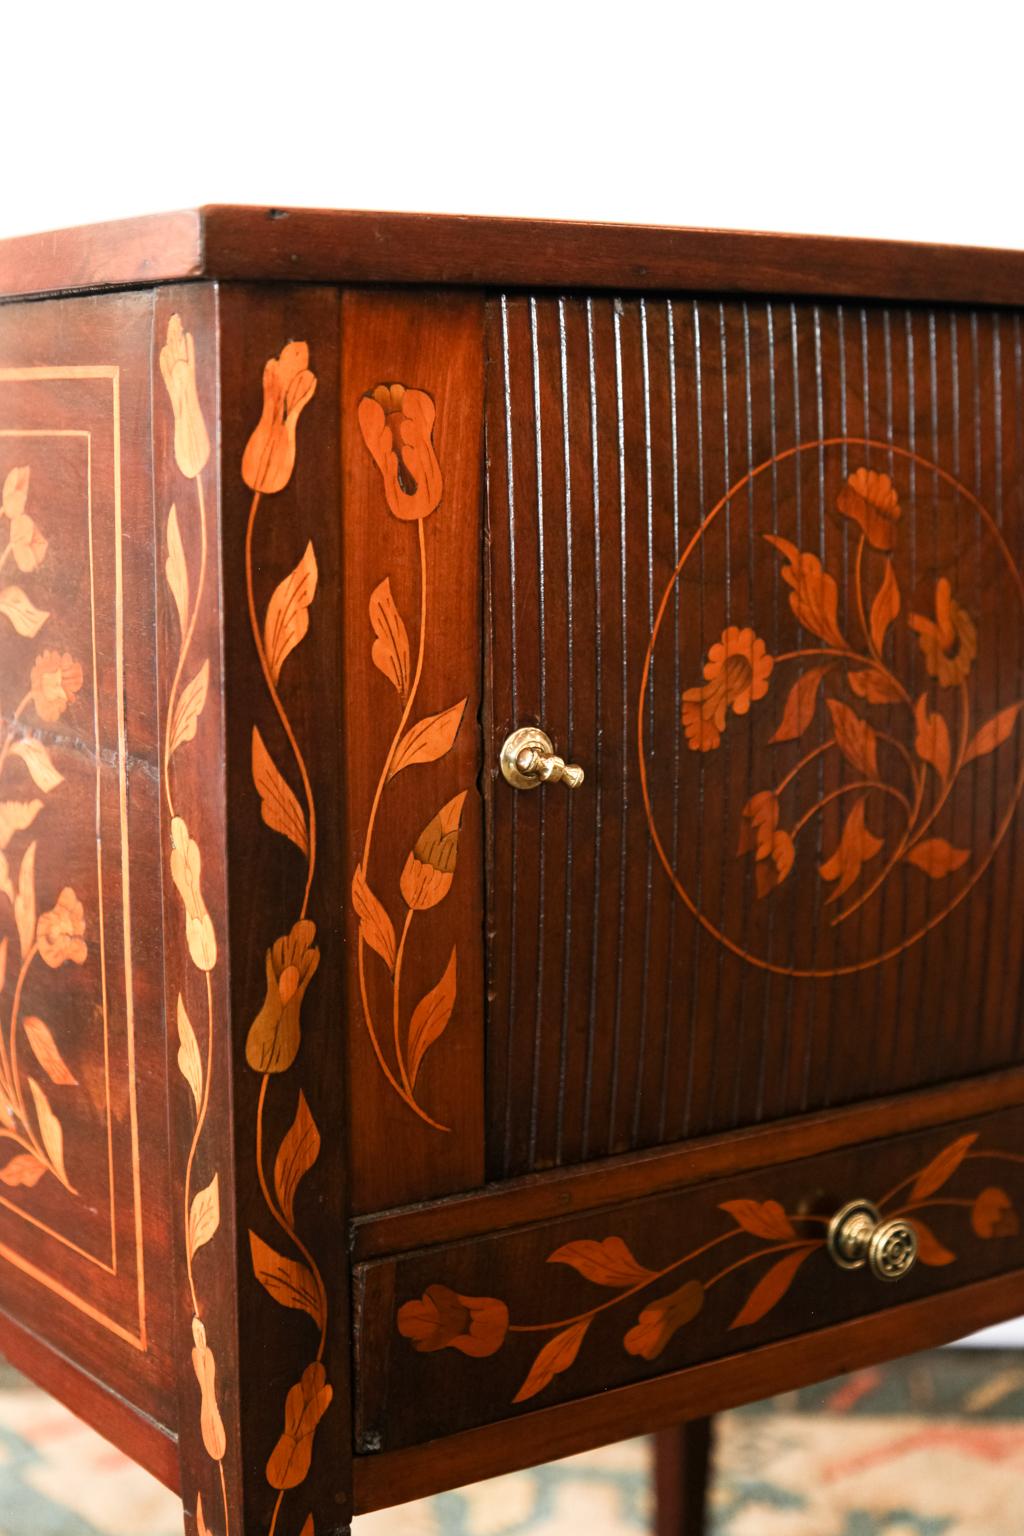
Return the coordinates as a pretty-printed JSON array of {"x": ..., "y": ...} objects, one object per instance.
[
  {"x": 191, "y": 1529},
  {"x": 682, "y": 1468}
]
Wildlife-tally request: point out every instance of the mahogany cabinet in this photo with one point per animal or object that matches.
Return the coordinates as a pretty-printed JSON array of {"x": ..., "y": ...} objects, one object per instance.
[{"x": 510, "y": 865}]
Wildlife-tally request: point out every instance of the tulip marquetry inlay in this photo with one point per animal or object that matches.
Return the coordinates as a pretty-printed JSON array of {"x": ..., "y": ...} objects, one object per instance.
[
  {"x": 292, "y": 1277},
  {"x": 755, "y": 1253},
  {"x": 397, "y": 427}
]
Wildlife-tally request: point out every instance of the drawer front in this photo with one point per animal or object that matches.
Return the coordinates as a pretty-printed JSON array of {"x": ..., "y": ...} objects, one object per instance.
[
  {"x": 755, "y": 568},
  {"x": 457, "y": 1336}
]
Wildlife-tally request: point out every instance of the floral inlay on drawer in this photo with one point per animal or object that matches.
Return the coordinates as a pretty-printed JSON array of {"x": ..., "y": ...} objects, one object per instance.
[
  {"x": 872, "y": 730},
  {"x": 479, "y": 1325},
  {"x": 683, "y": 1278}
]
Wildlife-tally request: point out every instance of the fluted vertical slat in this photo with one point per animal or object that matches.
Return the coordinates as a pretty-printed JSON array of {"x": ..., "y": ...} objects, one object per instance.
[{"x": 615, "y": 425}]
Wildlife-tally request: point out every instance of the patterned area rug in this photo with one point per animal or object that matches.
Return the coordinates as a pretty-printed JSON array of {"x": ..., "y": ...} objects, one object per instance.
[{"x": 932, "y": 1446}]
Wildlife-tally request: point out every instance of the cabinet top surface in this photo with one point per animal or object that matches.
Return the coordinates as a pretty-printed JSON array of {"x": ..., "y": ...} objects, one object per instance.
[{"x": 318, "y": 245}]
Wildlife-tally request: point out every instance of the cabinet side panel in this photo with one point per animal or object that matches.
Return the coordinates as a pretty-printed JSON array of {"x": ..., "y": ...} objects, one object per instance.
[{"x": 84, "y": 1224}]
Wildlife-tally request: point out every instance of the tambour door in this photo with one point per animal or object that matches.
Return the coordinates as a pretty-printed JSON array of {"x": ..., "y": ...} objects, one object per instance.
[{"x": 754, "y": 567}]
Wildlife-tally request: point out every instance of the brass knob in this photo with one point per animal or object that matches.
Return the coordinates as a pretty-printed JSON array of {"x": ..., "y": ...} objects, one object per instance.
[
  {"x": 857, "y": 1235},
  {"x": 528, "y": 760}
]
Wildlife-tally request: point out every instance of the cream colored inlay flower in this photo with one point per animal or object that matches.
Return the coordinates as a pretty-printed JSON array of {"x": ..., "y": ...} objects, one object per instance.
[
  {"x": 27, "y": 544},
  {"x": 178, "y": 367},
  {"x": 186, "y": 872},
  {"x": 60, "y": 933}
]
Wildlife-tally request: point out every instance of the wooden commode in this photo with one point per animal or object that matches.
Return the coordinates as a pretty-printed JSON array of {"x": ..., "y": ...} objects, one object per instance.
[{"x": 511, "y": 853}]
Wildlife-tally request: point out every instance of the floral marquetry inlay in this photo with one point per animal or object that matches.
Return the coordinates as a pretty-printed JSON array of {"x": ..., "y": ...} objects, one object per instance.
[
  {"x": 757, "y": 1251},
  {"x": 73, "y": 827},
  {"x": 187, "y": 582},
  {"x": 287, "y": 1269},
  {"x": 397, "y": 425},
  {"x": 44, "y": 928},
  {"x": 851, "y": 695},
  {"x": 285, "y": 961}
]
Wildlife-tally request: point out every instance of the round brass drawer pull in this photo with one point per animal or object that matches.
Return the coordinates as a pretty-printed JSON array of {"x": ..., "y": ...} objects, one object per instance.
[
  {"x": 857, "y": 1235},
  {"x": 528, "y": 759}
]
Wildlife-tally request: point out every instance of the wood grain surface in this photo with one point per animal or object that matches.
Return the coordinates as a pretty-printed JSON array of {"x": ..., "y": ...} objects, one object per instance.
[
  {"x": 249, "y": 604},
  {"x": 791, "y": 884},
  {"x": 283, "y": 539},
  {"x": 299, "y": 995},
  {"x": 682, "y": 1477},
  {"x": 744, "y": 1377},
  {"x": 456, "y": 1335},
  {"x": 318, "y": 245},
  {"x": 85, "y": 1229},
  {"x": 413, "y": 664},
  {"x": 509, "y": 1203}
]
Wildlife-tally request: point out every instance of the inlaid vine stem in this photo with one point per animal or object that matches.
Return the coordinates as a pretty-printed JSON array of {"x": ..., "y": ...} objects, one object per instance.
[
  {"x": 16, "y": 1091},
  {"x": 762, "y": 1253},
  {"x": 965, "y": 725},
  {"x": 397, "y": 1003},
  {"x": 404, "y": 1087},
  {"x": 846, "y": 789},
  {"x": 890, "y": 864},
  {"x": 197, "y": 1135},
  {"x": 282, "y": 715},
  {"x": 972, "y": 1155},
  {"x": 285, "y": 1225},
  {"x": 849, "y": 655},
  {"x": 19, "y": 988},
  {"x": 5, "y": 750},
  {"x": 409, "y": 701},
  {"x": 657, "y": 1275},
  {"x": 186, "y": 644}
]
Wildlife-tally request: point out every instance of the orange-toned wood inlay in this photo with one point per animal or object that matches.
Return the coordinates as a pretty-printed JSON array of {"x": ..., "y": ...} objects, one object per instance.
[
  {"x": 293, "y": 1279},
  {"x": 478, "y": 1326},
  {"x": 397, "y": 426},
  {"x": 910, "y": 692},
  {"x": 50, "y": 1098}
]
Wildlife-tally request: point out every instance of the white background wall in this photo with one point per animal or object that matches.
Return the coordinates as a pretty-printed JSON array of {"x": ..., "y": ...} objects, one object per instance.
[
  {"x": 896, "y": 119},
  {"x": 899, "y": 118}
]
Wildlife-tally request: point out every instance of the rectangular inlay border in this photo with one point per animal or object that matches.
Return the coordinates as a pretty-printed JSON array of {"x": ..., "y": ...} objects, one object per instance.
[{"x": 137, "y": 1337}]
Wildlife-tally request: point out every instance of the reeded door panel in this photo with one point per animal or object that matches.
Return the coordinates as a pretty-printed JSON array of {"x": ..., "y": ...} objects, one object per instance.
[{"x": 755, "y": 568}]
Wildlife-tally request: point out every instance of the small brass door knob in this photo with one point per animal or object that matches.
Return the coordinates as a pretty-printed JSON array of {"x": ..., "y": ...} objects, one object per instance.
[
  {"x": 857, "y": 1235},
  {"x": 528, "y": 759}
]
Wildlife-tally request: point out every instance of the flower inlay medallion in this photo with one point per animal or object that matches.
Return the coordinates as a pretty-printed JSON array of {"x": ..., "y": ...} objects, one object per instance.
[{"x": 845, "y": 625}]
